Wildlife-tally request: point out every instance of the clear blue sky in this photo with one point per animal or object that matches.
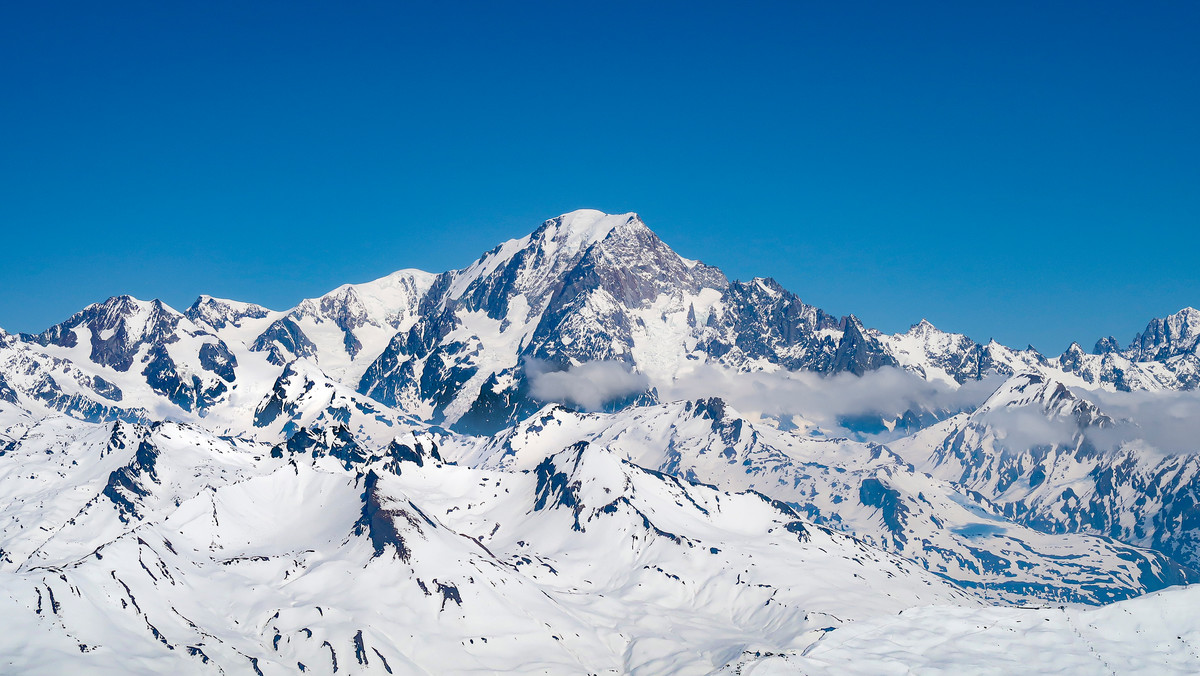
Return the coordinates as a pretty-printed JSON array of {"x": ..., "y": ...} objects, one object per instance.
[{"x": 1023, "y": 171}]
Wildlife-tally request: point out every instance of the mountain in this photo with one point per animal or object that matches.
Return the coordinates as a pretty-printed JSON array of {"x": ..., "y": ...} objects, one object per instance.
[
  {"x": 454, "y": 348},
  {"x": 580, "y": 288},
  {"x": 580, "y": 453},
  {"x": 859, "y": 488},
  {"x": 166, "y": 548},
  {"x": 1042, "y": 453}
]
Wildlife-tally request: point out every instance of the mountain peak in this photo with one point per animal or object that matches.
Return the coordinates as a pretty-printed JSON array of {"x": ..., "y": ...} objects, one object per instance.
[
  {"x": 1106, "y": 346},
  {"x": 922, "y": 328},
  {"x": 1049, "y": 395},
  {"x": 579, "y": 229}
]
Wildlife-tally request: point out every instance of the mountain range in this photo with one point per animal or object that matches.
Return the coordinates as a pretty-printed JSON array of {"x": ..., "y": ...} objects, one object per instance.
[{"x": 582, "y": 453}]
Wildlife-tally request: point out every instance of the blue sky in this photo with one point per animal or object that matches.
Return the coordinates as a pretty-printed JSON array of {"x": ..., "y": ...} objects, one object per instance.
[{"x": 1023, "y": 171}]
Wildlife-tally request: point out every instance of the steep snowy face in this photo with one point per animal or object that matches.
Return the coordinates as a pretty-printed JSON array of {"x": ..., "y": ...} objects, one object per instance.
[
  {"x": 303, "y": 397},
  {"x": 347, "y": 328},
  {"x": 36, "y": 383},
  {"x": 598, "y": 312},
  {"x": 116, "y": 330},
  {"x": 534, "y": 267},
  {"x": 1046, "y": 456},
  {"x": 759, "y": 322}
]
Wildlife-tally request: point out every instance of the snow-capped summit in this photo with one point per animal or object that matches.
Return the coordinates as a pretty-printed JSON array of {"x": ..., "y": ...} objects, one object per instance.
[
  {"x": 1050, "y": 397},
  {"x": 579, "y": 229}
]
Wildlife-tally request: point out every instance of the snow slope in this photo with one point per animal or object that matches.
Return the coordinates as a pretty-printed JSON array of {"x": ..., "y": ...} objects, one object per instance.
[{"x": 1155, "y": 634}]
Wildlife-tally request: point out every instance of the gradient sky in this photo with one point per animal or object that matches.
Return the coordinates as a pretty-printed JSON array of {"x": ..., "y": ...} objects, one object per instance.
[{"x": 1023, "y": 171}]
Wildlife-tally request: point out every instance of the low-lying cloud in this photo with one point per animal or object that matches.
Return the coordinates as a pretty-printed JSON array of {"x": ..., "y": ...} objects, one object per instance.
[
  {"x": 1168, "y": 421},
  {"x": 589, "y": 386},
  {"x": 1020, "y": 428},
  {"x": 827, "y": 401}
]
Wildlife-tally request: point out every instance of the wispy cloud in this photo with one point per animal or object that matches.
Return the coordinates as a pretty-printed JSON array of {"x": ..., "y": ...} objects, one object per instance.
[
  {"x": 1020, "y": 428},
  {"x": 827, "y": 400},
  {"x": 589, "y": 386},
  {"x": 1167, "y": 421}
]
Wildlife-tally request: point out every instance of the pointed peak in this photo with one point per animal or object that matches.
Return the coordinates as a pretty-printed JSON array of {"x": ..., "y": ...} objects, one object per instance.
[
  {"x": 922, "y": 328},
  {"x": 852, "y": 321},
  {"x": 1106, "y": 346},
  {"x": 768, "y": 286}
]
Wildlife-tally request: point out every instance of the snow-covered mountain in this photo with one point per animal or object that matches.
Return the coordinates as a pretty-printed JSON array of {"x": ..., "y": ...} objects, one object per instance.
[
  {"x": 165, "y": 548},
  {"x": 1051, "y": 460},
  {"x": 861, "y": 488},
  {"x": 580, "y": 453},
  {"x": 453, "y": 348}
]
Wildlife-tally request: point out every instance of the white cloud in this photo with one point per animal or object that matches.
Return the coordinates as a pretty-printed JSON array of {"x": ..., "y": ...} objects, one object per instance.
[
  {"x": 826, "y": 400},
  {"x": 589, "y": 385},
  {"x": 1020, "y": 428},
  {"x": 1168, "y": 421}
]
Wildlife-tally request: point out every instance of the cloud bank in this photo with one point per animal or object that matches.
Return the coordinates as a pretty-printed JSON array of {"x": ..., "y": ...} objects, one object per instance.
[
  {"x": 827, "y": 401},
  {"x": 1168, "y": 421},
  {"x": 1165, "y": 421}
]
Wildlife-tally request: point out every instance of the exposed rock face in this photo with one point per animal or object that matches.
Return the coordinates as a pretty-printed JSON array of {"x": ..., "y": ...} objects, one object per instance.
[{"x": 283, "y": 341}]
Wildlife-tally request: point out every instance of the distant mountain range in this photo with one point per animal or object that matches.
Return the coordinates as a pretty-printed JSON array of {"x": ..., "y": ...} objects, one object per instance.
[{"x": 512, "y": 466}]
